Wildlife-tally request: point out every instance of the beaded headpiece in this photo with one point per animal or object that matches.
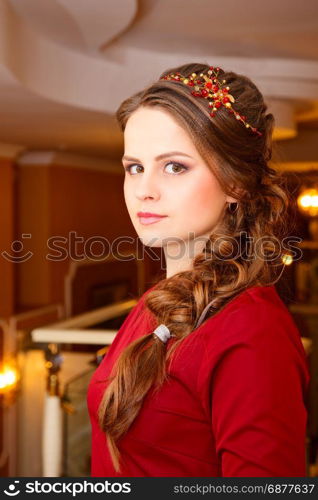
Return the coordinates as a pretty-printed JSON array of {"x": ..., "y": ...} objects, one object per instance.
[{"x": 209, "y": 87}]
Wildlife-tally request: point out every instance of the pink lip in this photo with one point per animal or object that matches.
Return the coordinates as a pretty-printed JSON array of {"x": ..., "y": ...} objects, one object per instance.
[
  {"x": 149, "y": 214},
  {"x": 150, "y": 220}
]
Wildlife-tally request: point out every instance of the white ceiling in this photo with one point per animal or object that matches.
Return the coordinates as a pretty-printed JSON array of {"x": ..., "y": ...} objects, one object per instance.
[
  {"x": 234, "y": 28},
  {"x": 65, "y": 65}
]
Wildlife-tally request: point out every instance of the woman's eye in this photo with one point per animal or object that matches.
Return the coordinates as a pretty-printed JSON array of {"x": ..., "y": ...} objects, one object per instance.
[
  {"x": 129, "y": 167},
  {"x": 176, "y": 168}
]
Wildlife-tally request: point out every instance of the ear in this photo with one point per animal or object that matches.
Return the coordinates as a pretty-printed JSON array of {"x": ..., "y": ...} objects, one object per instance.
[
  {"x": 239, "y": 192},
  {"x": 229, "y": 199}
]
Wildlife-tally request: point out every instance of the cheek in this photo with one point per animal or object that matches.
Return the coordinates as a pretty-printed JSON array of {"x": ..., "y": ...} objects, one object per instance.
[{"x": 203, "y": 198}]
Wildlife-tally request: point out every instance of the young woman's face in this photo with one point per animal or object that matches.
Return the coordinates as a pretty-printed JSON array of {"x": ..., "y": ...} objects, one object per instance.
[{"x": 165, "y": 175}]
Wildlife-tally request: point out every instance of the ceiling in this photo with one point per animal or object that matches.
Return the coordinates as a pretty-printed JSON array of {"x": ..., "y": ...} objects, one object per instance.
[{"x": 65, "y": 65}]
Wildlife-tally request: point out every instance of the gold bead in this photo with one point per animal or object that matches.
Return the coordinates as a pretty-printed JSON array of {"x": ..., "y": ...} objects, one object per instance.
[
  {"x": 196, "y": 88},
  {"x": 194, "y": 75},
  {"x": 224, "y": 81},
  {"x": 228, "y": 104},
  {"x": 210, "y": 72},
  {"x": 201, "y": 74},
  {"x": 246, "y": 125},
  {"x": 186, "y": 81}
]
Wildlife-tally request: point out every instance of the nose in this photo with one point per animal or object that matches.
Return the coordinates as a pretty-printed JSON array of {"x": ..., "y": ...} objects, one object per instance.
[{"x": 147, "y": 187}]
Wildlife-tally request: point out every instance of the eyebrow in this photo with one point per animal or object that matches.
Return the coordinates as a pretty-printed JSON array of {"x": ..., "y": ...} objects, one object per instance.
[{"x": 159, "y": 157}]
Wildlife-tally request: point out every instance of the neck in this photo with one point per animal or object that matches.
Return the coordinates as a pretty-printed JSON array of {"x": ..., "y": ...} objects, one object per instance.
[{"x": 179, "y": 256}]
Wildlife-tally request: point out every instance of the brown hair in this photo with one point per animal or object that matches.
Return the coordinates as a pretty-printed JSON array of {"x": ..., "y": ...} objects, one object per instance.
[{"x": 238, "y": 158}]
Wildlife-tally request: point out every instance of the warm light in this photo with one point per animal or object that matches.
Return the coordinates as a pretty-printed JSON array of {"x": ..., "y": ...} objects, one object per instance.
[
  {"x": 282, "y": 133},
  {"x": 308, "y": 202},
  {"x": 285, "y": 126},
  {"x": 287, "y": 259},
  {"x": 8, "y": 378}
]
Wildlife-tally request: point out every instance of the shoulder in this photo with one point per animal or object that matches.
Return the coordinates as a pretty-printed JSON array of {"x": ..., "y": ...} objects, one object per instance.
[
  {"x": 250, "y": 306},
  {"x": 255, "y": 333},
  {"x": 137, "y": 314},
  {"x": 140, "y": 302},
  {"x": 257, "y": 315}
]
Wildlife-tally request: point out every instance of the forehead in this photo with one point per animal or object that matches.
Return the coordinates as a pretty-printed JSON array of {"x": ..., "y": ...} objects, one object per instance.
[{"x": 154, "y": 128}]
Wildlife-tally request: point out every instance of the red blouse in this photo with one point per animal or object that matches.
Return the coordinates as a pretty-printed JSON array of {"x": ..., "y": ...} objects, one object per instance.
[{"x": 235, "y": 403}]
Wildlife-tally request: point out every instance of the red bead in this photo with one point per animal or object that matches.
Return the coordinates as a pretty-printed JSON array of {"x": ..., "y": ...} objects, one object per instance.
[
  {"x": 204, "y": 92},
  {"x": 191, "y": 83},
  {"x": 208, "y": 85},
  {"x": 198, "y": 82},
  {"x": 195, "y": 93},
  {"x": 212, "y": 114},
  {"x": 215, "y": 88},
  {"x": 217, "y": 104},
  {"x": 212, "y": 68},
  {"x": 225, "y": 91},
  {"x": 225, "y": 99}
]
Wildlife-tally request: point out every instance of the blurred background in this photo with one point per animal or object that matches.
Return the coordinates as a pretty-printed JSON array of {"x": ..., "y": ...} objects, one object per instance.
[{"x": 65, "y": 66}]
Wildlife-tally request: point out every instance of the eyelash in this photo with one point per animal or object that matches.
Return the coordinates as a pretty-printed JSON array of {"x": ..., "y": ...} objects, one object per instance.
[{"x": 128, "y": 168}]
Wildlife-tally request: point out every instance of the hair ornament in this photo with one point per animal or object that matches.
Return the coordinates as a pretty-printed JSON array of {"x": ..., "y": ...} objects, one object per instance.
[
  {"x": 208, "y": 86},
  {"x": 162, "y": 332}
]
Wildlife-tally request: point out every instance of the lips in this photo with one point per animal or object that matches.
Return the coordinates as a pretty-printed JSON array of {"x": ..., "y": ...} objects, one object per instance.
[
  {"x": 149, "y": 214},
  {"x": 146, "y": 218}
]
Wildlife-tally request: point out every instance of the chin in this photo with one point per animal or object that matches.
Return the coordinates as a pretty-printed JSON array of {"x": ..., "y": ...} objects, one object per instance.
[{"x": 151, "y": 241}]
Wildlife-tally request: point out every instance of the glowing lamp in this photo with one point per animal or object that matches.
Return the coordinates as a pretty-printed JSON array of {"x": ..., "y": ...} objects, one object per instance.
[
  {"x": 307, "y": 202},
  {"x": 287, "y": 259},
  {"x": 9, "y": 378}
]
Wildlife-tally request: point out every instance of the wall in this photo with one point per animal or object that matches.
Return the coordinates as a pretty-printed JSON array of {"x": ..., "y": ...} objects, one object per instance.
[
  {"x": 59, "y": 194},
  {"x": 7, "y": 267}
]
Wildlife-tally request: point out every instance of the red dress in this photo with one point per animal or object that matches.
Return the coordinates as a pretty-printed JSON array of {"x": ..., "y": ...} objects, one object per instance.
[{"x": 235, "y": 403}]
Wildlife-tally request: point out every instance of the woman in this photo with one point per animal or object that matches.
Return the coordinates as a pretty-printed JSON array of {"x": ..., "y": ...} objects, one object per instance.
[{"x": 207, "y": 376}]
